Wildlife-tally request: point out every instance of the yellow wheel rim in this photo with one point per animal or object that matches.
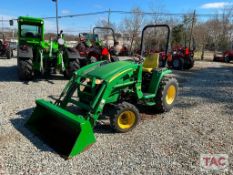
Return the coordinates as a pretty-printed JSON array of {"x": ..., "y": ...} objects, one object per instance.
[
  {"x": 126, "y": 120},
  {"x": 171, "y": 94}
]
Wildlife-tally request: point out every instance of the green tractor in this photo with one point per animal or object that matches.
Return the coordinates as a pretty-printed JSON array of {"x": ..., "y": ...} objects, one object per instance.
[
  {"x": 103, "y": 90},
  {"x": 37, "y": 56}
]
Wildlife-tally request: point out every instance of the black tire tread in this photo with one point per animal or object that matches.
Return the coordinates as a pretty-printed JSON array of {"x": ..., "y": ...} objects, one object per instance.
[
  {"x": 73, "y": 65},
  {"x": 25, "y": 69},
  {"x": 8, "y": 53},
  {"x": 161, "y": 93},
  {"x": 190, "y": 63},
  {"x": 118, "y": 109},
  {"x": 181, "y": 64}
]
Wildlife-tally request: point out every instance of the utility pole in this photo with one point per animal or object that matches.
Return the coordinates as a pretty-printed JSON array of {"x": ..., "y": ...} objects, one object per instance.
[
  {"x": 191, "y": 30},
  {"x": 2, "y": 23},
  {"x": 109, "y": 13},
  {"x": 56, "y": 1},
  {"x": 13, "y": 34}
]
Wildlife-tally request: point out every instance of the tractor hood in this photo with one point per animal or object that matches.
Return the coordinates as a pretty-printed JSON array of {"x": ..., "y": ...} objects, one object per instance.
[{"x": 110, "y": 70}]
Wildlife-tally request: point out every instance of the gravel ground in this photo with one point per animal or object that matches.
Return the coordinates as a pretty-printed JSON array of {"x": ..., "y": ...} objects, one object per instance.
[{"x": 169, "y": 143}]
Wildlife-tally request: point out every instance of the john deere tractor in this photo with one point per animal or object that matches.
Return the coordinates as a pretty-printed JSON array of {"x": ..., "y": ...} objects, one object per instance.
[
  {"x": 35, "y": 55},
  {"x": 103, "y": 91}
]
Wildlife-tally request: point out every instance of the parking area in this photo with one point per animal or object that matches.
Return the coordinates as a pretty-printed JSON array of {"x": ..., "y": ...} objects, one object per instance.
[{"x": 169, "y": 143}]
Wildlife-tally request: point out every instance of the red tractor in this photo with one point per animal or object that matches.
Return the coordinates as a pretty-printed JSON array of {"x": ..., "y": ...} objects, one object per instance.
[
  {"x": 5, "y": 50},
  {"x": 93, "y": 49},
  {"x": 181, "y": 58},
  {"x": 226, "y": 56},
  {"x": 86, "y": 42},
  {"x": 118, "y": 50}
]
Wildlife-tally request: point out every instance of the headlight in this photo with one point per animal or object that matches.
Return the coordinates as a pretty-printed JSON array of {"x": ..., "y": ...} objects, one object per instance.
[
  {"x": 61, "y": 41},
  {"x": 98, "y": 81}
]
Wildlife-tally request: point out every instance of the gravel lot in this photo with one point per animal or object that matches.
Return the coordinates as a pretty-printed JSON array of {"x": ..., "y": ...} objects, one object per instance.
[{"x": 171, "y": 143}]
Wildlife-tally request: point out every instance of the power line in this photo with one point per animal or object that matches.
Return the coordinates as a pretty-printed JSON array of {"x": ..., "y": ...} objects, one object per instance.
[
  {"x": 121, "y": 12},
  {"x": 128, "y": 12}
]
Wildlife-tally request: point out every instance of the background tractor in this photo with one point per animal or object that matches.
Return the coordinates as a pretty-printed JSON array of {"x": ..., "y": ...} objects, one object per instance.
[
  {"x": 101, "y": 47},
  {"x": 181, "y": 56},
  {"x": 35, "y": 55},
  {"x": 5, "y": 49},
  {"x": 182, "y": 48},
  {"x": 104, "y": 90},
  {"x": 226, "y": 56},
  {"x": 86, "y": 42},
  {"x": 93, "y": 47}
]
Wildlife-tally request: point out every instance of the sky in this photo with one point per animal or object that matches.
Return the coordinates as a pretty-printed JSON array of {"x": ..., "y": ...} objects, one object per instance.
[{"x": 43, "y": 8}]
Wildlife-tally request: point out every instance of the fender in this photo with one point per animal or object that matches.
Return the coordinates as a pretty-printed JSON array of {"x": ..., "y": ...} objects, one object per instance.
[
  {"x": 94, "y": 51},
  {"x": 156, "y": 79},
  {"x": 72, "y": 53},
  {"x": 24, "y": 52}
]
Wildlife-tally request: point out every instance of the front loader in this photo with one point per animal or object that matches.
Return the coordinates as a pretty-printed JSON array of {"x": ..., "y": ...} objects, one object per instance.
[
  {"x": 37, "y": 56},
  {"x": 103, "y": 90}
]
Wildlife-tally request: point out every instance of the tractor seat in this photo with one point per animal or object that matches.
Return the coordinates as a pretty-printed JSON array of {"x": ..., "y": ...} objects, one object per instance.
[{"x": 151, "y": 62}]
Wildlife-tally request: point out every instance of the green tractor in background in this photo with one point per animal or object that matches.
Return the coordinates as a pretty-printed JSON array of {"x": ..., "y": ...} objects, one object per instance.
[
  {"x": 37, "y": 56},
  {"x": 103, "y": 90}
]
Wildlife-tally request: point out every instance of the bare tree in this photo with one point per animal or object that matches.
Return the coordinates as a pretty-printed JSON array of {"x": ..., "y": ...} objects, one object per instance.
[
  {"x": 201, "y": 37},
  {"x": 133, "y": 25},
  {"x": 106, "y": 23},
  {"x": 157, "y": 8},
  {"x": 220, "y": 30},
  {"x": 227, "y": 27}
]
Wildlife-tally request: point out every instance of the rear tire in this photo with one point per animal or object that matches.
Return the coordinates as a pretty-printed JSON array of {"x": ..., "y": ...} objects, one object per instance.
[
  {"x": 12, "y": 53},
  {"x": 226, "y": 59},
  {"x": 73, "y": 65},
  {"x": 214, "y": 59},
  {"x": 178, "y": 64},
  {"x": 25, "y": 69},
  {"x": 167, "y": 94},
  {"x": 8, "y": 54},
  {"x": 161, "y": 63},
  {"x": 190, "y": 63},
  {"x": 124, "y": 117},
  {"x": 93, "y": 59},
  {"x": 114, "y": 59}
]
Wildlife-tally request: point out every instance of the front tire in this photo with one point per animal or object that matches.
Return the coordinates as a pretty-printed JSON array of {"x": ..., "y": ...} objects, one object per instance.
[
  {"x": 178, "y": 64},
  {"x": 124, "y": 117},
  {"x": 93, "y": 59},
  {"x": 8, "y": 54},
  {"x": 25, "y": 69},
  {"x": 190, "y": 63},
  {"x": 114, "y": 59},
  {"x": 73, "y": 65},
  {"x": 226, "y": 59},
  {"x": 167, "y": 94}
]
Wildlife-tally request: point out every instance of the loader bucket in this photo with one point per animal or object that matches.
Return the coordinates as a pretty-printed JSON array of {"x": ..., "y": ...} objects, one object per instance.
[{"x": 65, "y": 132}]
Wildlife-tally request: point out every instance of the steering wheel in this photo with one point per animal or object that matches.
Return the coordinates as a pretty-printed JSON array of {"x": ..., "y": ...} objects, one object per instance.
[
  {"x": 29, "y": 35},
  {"x": 138, "y": 58}
]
